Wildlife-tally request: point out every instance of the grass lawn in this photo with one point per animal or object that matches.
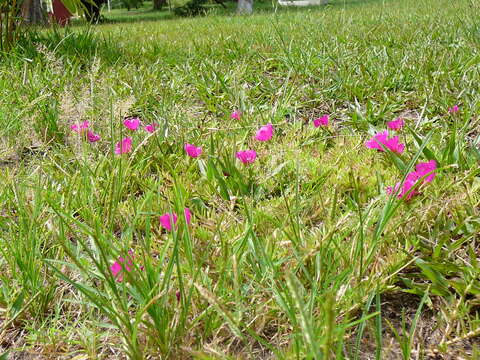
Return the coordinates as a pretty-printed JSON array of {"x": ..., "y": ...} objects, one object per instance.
[{"x": 311, "y": 251}]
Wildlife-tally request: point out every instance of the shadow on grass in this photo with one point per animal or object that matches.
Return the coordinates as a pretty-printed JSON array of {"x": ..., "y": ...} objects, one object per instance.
[
  {"x": 146, "y": 14},
  {"x": 78, "y": 46},
  {"x": 353, "y": 3},
  {"x": 80, "y": 43}
]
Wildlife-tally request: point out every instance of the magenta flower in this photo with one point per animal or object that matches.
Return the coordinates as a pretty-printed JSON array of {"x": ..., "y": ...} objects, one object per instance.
[
  {"x": 246, "y": 156},
  {"x": 124, "y": 146},
  {"x": 426, "y": 168},
  {"x": 121, "y": 264},
  {"x": 421, "y": 170},
  {"x": 188, "y": 215},
  {"x": 235, "y": 115},
  {"x": 78, "y": 128},
  {"x": 265, "y": 133},
  {"x": 394, "y": 145},
  {"x": 380, "y": 139},
  {"x": 321, "y": 121},
  {"x": 132, "y": 123},
  {"x": 453, "y": 109},
  {"x": 376, "y": 141},
  {"x": 151, "y": 127},
  {"x": 396, "y": 124},
  {"x": 405, "y": 188},
  {"x": 92, "y": 137},
  {"x": 116, "y": 267},
  {"x": 169, "y": 220},
  {"x": 192, "y": 150}
]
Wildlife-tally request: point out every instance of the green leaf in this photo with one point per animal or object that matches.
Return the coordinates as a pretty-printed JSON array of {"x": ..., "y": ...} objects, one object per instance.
[
  {"x": 75, "y": 6},
  {"x": 439, "y": 283},
  {"x": 397, "y": 161},
  {"x": 17, "y": 305},
  {"x": 304, "y": 317},
  {"x": 221, "y": 182},
  {"x": 426, "y": 151}
]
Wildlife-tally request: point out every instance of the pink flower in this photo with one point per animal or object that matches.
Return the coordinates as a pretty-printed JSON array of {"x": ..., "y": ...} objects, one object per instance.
[
  {"x": 453, "y": 109},
  {"x": 380, "y": 139},
  {"x": 151, "y": 127},
  {"x": 120, "y": 264},
  {"x": 246, "y": 156},
  {"x": 124, "y": 146},
  {"x": 425, "y": 168},
  {"x": 321, "y": 121},
  {"x": 396, "y": 124},
  {"x": 168, "y": 220},
  {"x": 376, "y": 141},
  {"x": 92, "y": 137},
  {"x": 394, "y": 145},
  {"x": 412, "y": 178},
  {"x": 132, "y": 123},
  {"x": 405, "y": 188},
  {"x": 265, "y": 133},
  {"x": 235, "y": 115},
  {"x": 78, "y": 128},
  {"x": 116, "y": 267},
  {"x": 188, "y": 215},
  {"x": 192, "y": 150}
]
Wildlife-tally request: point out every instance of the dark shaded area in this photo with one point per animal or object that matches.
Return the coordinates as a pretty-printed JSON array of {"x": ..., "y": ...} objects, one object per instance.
[
  {"x": 398, "y": 310},
  {"x": 195, "y": 7},
  {"x": 150, "y": 16},
  {"x": 159, "y": 4},
  {"x": 92, "y": 10},
  {"x": 350, "y": 3},
  {"x": 224, "y": 7},
  {"x": 77, "y": 47}
]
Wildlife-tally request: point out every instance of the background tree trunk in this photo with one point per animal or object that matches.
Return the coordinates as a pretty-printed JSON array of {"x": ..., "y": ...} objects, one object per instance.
[
  {"x": 245, "y": 6},
  {"x": 32, "y": 12},
  {"x": 158, "y": 4}
]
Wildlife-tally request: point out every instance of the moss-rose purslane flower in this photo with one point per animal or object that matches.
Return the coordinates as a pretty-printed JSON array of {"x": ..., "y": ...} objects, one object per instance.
[
  {"x": 396, "y": 124},
  {"x": 235, "y": 115},
  {"x": 246, "y": 156},
  {"x": 265, "y": 133},
  {"x": 168, "y": 220},
  {"x": 151, "y": 127},
  {"x": 132, "y": 123},
  {"x": 453, "y": 109},
  {"x": 425, "y": 170},
  {"x": 92, "y": 137},
  {"x": 80, "y": 127},
  {"x": 192, "y": 150},
  {"x": 124, "y": 146},
  {"x": 321, "y": 121},
  {"x": 121, "y": 264},
  {"x": 382, "y": 138}
]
